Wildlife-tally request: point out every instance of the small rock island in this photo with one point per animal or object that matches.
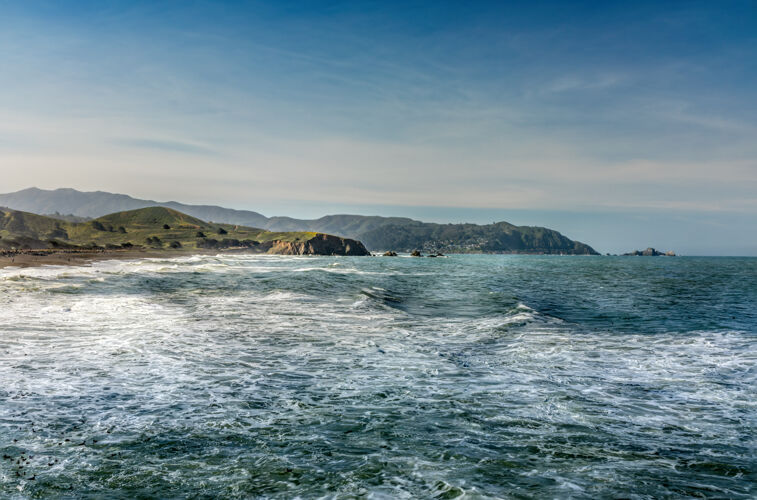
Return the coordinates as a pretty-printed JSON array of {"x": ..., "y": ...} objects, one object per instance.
[{"x": 651, "y": 252}]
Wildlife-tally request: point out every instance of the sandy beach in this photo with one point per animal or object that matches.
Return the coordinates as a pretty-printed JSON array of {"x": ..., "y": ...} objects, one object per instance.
[{"x": 34, "y": 258}]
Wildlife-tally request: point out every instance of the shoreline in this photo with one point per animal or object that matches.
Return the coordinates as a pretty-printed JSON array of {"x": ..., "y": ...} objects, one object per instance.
[
  {"x": 77, "y": 257},
  {"x": 44, "y": 257}
]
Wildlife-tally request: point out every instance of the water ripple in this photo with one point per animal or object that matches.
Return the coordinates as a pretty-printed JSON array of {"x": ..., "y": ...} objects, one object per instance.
[{"x": 472, "y": 376}]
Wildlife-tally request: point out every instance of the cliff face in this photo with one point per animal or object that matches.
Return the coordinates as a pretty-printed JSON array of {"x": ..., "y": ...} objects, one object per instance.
[{"x": 320, "y": 244}]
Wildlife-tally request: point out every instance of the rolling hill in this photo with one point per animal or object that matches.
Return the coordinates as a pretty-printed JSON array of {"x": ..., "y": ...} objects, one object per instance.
[
  {"x": 161, "y": 228},
  {"x": 377, "y": 233}
]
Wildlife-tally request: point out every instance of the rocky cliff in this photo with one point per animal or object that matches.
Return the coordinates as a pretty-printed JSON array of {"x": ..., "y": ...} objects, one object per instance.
[{"x": 320, "y": 244}]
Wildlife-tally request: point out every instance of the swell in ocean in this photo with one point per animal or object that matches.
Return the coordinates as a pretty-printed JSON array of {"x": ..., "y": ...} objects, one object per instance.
[{"x": 480, "y": 376}]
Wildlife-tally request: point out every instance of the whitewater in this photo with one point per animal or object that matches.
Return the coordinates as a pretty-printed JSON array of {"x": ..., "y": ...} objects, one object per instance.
[{"x": 471, "y": 376}]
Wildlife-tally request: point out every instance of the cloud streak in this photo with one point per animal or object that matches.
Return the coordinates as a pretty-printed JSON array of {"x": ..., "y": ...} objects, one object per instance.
[{"x": 166, "y": 146}]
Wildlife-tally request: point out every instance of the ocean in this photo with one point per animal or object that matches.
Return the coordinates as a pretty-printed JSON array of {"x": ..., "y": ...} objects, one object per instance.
[{"x": 471, "y": 376}]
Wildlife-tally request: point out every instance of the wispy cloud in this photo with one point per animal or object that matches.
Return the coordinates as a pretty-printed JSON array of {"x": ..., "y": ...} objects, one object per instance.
[
  {"x": 167, "y": 146},
  {"x": 577, "y": 83},
  {"x": 493, "y": 106},
  {"x": 685, "y": 112}
]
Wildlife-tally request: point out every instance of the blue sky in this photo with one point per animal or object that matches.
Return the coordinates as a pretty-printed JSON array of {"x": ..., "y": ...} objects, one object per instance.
[{"x": 622, "y": 124}]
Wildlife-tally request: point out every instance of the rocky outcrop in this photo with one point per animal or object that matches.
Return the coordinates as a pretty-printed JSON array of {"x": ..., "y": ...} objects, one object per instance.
[
  {"x": 416, "y": 253},
  {"x": 650, "y": 252},
  {"x": 389, "y": 253},
  {"x": 320, "y": 244}
]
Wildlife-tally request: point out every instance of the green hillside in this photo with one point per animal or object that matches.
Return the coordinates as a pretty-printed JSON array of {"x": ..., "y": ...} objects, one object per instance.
[
  {"x": 151, "y": 217},
  {"x": 153, "y": 228},
  {"x": 378, "y": 233},
  {"x": 23, "y": 224},
  {"x": 499, "y": 237}
]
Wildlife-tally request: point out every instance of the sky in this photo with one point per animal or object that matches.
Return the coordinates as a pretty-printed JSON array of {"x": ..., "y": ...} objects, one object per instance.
[{"x": 622, "y": 124}]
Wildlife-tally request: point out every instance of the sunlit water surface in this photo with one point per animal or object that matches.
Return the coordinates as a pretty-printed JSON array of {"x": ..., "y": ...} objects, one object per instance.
[{"x": 467, "y": 376}]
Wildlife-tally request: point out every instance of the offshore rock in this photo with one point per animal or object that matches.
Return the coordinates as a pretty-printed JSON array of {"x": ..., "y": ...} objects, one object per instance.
[
  {"x": 416, "y": 253},
  {"x": 390, "y": 254},
  {"x": 651, "y": 252}
]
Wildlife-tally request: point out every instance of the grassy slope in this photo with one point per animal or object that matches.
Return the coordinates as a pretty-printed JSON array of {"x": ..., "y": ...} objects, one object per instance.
[
  {"x": 139, "y": 225},
  {"x": 406, "y": 235},
  {"x": 14, "y": 223},
  {"x": 472, "y": 238}
]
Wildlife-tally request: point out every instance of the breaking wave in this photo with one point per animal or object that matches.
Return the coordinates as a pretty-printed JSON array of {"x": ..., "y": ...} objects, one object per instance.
[{"x": 472, "y": 376}]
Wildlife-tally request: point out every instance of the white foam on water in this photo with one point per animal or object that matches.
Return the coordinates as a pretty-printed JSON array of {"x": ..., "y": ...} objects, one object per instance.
[{"x": 288, "y": 371}]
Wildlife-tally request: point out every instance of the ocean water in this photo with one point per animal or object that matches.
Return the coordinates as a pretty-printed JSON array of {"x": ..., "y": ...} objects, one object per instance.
[{"x": 464, "y": 377}]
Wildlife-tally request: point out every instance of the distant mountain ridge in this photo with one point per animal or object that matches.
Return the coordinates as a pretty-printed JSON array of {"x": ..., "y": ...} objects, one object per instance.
[
  {"x": 376, "y": 232},
  {"x": 95, "y": 204}
]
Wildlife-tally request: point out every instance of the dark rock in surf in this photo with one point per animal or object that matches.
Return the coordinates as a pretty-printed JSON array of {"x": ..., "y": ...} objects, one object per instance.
[{"x": 650, "y": 252}]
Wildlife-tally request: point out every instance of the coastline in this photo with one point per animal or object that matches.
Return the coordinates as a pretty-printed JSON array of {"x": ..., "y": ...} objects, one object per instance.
[
  {"x": 77, "y": 257},
  {"x": 37, "y": 258}
]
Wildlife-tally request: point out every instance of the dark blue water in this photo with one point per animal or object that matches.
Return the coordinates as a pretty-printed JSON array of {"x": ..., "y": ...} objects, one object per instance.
[{"x": 467, "y": 376}]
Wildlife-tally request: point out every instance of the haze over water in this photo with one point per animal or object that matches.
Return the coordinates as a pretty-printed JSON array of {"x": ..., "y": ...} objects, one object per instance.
[{"x": 476, "y": 376}]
